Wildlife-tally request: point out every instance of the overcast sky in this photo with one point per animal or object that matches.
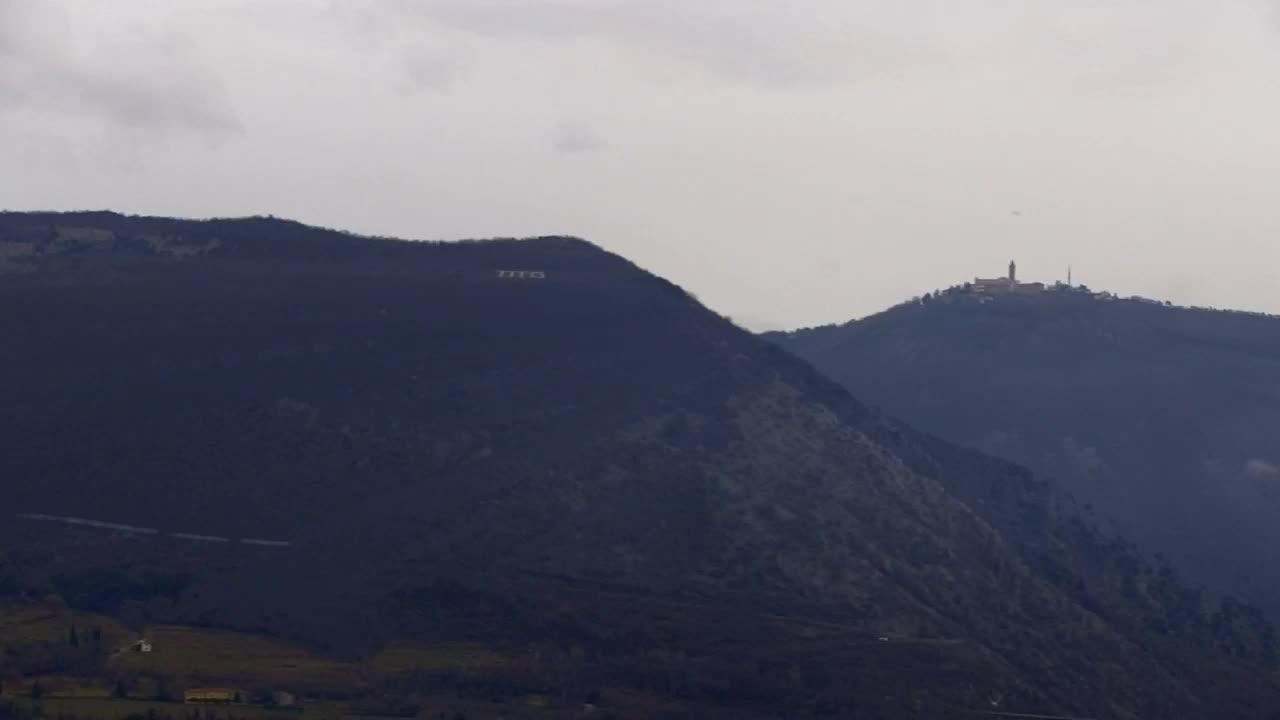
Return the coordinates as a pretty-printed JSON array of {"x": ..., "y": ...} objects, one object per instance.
[{"x": 792, "y": 162}]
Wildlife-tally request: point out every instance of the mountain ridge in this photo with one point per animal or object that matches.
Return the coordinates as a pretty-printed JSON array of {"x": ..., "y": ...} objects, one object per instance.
[
  {"x": 1161, "y": 415},
  {"x": 462, "y": 454}
]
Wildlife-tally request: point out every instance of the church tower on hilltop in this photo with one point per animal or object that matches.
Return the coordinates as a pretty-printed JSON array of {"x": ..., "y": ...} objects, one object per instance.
[{"x": 1007, "y": 284}]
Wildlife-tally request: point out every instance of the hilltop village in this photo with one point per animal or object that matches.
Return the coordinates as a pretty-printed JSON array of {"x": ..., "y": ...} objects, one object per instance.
[{"x": 988, "y": 289}]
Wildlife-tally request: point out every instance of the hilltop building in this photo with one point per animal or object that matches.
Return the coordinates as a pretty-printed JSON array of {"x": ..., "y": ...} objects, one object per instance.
[{"x": 1007, "y": 284}]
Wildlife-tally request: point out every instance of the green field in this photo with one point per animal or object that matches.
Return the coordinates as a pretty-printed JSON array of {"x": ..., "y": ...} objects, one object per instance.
[
  {"x": 52, "y": 622},
  {"x": 78, "y": 679},
  {"x": 204, "y": 656}
]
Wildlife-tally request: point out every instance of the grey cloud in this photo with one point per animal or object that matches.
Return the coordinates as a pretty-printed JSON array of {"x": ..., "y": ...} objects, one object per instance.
[
  {"x": 1091, "y": 48},
  {"x": 1118, "y": 48},
  {"x": 138, "y": 80},
  {"x": 759, "y": 43},
  {"x": 429, "y": 69},
  {"x": 571, "y": 138},
  {"x": 385, "y": 32}
]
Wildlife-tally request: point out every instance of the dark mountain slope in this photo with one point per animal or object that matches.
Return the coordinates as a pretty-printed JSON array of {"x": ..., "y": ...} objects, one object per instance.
[
  {"x": 585, "y": 456},
  {"x": 1164, "y": 418}
]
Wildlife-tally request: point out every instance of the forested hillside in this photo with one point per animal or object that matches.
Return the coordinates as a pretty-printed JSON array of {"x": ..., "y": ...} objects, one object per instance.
[
  {"x": 1163, "y": 419},
  {"x": 536, "y": 444}
]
